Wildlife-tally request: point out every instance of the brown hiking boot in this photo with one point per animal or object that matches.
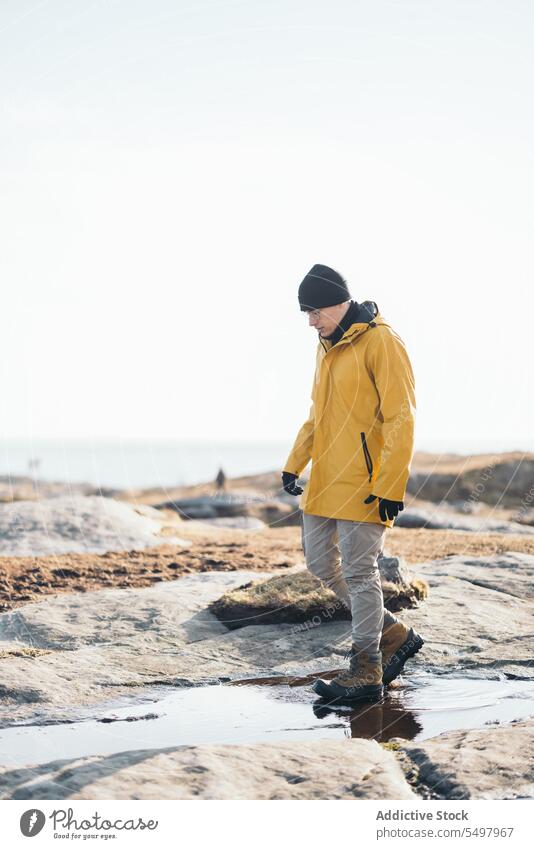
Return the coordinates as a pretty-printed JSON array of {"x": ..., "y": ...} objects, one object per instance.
[
  {"x": 397, "y": 645},
  {"x": 362, "y": 682}
]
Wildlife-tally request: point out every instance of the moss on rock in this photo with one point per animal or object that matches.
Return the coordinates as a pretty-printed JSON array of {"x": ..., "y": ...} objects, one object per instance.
[{"x": 300, "y": 597}]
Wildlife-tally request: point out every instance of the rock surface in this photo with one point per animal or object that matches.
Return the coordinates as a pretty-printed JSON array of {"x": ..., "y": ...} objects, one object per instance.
[
  {"x": 494, "y": 763},
  {"x": 248, "y": 523},
  {"x": 448, "y": 519},
  {"x": 275, "y": 511},
  {"x": 508, "y": 573},
  {"x": 478, "y": 619},
  {"x": 99, "y": 646},
  {"x": 71, "y": 652},
  {"x": 76, "y": 523},
  {"x": 348, "y": 769}
]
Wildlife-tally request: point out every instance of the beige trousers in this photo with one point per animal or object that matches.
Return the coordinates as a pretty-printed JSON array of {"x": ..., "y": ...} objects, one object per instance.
[{"x": 343, "y": 555}]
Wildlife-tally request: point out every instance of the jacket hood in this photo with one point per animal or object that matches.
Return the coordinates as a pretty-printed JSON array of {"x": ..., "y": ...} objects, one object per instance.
[{"x": 368, "y": 310}]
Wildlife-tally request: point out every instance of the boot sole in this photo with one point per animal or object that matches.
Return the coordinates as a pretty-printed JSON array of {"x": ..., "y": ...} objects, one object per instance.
[
  {"x": 409, "y": 648},
  {"x": 373, "y": 694}
]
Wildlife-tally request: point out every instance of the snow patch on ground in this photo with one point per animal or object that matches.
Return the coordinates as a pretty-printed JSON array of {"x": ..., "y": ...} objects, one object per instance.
[{"x": 78, "y": 524}]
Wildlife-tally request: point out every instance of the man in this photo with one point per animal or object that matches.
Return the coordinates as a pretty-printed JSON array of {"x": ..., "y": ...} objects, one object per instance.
[{"x": 359, "y": 436}]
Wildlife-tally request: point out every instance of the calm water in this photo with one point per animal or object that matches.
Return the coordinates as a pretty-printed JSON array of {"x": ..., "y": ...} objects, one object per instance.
[
  {"x": 247, "y": 714},
  {"x": 138, "y": 464}
]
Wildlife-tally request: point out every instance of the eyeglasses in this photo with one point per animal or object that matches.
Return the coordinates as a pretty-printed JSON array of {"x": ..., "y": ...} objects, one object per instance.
[{"x": 313, "y": 313}]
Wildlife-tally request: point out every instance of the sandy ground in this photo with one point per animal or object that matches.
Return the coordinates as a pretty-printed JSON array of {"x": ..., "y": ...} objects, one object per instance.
[{"x": 27, "y": 579}]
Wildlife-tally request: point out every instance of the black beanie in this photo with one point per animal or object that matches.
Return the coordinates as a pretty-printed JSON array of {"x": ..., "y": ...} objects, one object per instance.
[{"x": 322, "y": 287}]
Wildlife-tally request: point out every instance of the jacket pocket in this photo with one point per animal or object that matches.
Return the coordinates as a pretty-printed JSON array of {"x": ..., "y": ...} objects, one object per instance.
[{"x": 366, "y": 454}]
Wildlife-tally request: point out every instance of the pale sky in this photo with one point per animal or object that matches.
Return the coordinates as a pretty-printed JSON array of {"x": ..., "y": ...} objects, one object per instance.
[{"x": 171, "y": 170}]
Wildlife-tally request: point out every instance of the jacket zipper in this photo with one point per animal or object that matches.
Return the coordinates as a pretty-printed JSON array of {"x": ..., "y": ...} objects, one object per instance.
[{"x": 368, "y": 460}]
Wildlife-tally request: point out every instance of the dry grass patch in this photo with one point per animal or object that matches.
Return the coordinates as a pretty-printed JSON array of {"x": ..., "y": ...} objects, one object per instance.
[{"x": 300, "y": 597}]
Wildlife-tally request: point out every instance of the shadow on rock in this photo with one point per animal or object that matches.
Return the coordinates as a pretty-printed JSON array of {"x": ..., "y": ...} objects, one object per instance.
[{"x": 62, "y": 778}]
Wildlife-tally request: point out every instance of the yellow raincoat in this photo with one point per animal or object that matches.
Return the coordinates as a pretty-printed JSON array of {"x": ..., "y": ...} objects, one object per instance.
[{"x": 359, "y": 434}]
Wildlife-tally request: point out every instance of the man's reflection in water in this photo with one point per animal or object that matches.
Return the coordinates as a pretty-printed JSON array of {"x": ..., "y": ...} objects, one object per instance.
[{"x": 380, "y": 722}]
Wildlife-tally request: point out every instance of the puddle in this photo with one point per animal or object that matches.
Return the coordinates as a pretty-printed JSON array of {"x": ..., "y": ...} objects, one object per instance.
[{"x": 415, "y": 710}]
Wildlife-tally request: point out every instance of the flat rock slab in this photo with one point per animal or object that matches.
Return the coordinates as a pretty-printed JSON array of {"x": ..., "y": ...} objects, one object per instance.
[
  {"x": 493, "y": 763},
  {"x": 477, "y": 619},
  {"x": 89, "y": 644},
  {"x": 348, "y": 769},
  {"x": 169, "y": 610},
  {"x": 509, "y": 573},
  {"x": 276, "y": 511}
]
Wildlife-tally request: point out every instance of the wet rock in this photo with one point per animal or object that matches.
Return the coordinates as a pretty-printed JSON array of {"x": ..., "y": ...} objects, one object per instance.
[
  {"x": 197, "y": 508},
  {"x": 145, "y": 716},
  {"x": 347, "y": 769},
  {"x": 249, "y": 523},
  {"x": 209, "y": 506},
  {"x": 492, "y": 763},
  {"x": 274, "y": 512}
]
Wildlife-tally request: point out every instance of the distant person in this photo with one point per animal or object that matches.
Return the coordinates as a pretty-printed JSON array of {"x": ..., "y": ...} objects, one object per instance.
[
  {"x": 359, "y": 436},
  {"x": 220, "y": 480},
  {"x": 34, "y": 464}
]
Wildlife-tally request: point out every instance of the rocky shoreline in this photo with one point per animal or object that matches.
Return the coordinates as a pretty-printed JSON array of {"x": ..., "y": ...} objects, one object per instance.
[{"x": 132, "y": 635}]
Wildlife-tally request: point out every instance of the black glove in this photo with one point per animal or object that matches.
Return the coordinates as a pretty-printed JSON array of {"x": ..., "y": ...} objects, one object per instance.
[
  {"x": 387, "y": 509},
  {"x": 288, "y": 482}
]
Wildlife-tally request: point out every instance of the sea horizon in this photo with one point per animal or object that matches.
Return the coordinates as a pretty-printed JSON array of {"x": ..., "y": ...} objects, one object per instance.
[{"x": 134, "y": 463}]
